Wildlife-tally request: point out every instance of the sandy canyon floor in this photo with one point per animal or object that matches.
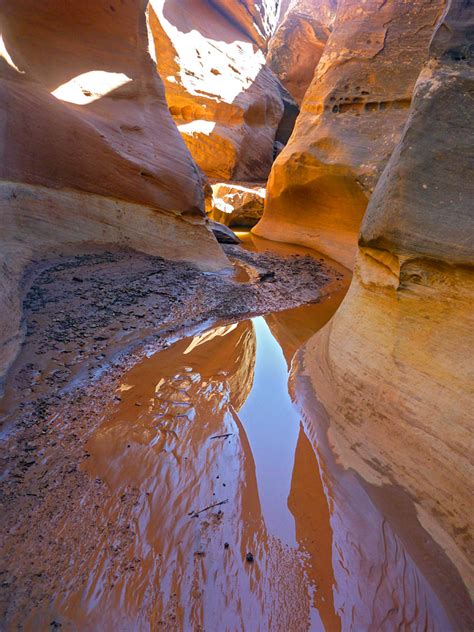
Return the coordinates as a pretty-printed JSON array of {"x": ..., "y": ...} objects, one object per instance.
[{"x": 137, "y": 489}]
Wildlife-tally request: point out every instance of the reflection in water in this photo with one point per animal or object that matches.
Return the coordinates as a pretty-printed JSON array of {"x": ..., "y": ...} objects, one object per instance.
[
  {"x": 307, "y": 502},
  {"x": 207, "y": 460},
  {"x": 205, "y": 440},
  {"x": 204, "y": 434},
  {"x": 271, "y": 423}
]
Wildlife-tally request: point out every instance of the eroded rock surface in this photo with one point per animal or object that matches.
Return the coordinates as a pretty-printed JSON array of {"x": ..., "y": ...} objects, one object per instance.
[
  {"x": 236, "y": 203},
  {"x": 351, "y": 119},
  {"x": 298, "y": 43},
  {"x": 393, "y": 369},
  {"x": 227, "y": 104},
  {"x": 90, "y": 152}
]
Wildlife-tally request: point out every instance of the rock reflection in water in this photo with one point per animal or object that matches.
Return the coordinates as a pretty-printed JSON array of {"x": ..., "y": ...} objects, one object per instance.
[{"x": 209, "y": 421}]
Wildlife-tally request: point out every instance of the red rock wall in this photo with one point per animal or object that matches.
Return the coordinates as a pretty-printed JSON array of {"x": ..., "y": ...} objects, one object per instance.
[
  {"x": 298, "y": 43},
  {"x": 89, "y": 151},
  {"x": 226, "y": 102},
  {"x": 112, "y": 133}
]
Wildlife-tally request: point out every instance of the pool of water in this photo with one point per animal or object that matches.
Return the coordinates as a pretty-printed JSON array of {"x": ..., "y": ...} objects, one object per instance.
[
  {"x": 231, "y": 520},
  {"x": 242, "y": 517}
]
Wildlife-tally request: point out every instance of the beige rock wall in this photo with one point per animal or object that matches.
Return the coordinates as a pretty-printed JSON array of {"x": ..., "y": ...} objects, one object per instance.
[
  {"x": 393, "y": 370},
  {"x": 227, "y": 104},
  {"x": 298, "y": 43},
  {"x": 89, "y": 151},
  {"x": 351, "y": 119}
]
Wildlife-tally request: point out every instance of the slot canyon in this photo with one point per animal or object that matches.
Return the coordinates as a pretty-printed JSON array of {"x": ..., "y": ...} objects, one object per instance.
[{"x": 237, "y": 315}]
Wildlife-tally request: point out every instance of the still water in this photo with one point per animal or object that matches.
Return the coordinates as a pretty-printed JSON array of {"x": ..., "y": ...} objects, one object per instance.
[
  {"x": 231, "y": 521},
  {"x": 230, "y": 510},
  {"x": 271, "y": 424}
]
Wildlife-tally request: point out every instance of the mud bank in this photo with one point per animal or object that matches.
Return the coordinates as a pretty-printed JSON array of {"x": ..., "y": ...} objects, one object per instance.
[{"x": 89, "y": 319}]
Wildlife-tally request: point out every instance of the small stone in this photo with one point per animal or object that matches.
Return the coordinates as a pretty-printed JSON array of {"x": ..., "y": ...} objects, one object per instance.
[
  {"x": 226, "y": 545},
  {"x": 249, "y": 557}
]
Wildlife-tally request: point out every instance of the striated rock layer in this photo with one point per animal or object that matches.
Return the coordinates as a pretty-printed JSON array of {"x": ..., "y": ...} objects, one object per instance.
[
  {"x": 393, "y": 369},
  {"x": 89, "y": 150},
  {"x": 351, "y": 118},
  {"x": 227, "y": 104},
  {"x": 298, "y": 43}
]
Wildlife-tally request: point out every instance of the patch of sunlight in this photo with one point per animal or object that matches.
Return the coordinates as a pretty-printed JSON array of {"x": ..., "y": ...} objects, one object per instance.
[
  {"x": 151, "y": 41},
  {"x": 90, "y": 86},
  {"x": 220, "y": 70},
  {"x": 197, "y": 127},
  {"x": 125, "y": 387},
  {"x": 223, "y": 206},
  {"x": 209, "y": 335},
  {"x": 6, "y": 55},
  {"x": 211, "y": 72}
]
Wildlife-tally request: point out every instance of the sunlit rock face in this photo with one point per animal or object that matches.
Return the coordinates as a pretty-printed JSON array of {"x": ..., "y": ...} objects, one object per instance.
[
  {"x": 298, "y": 43},
  {"x": 89, "y": 150},
  {"x": 351, "y": 119},
  {"x": 236, "y": 203},
  {"x": 227, "y": 104},
  {"x": 393, "y": 369}
]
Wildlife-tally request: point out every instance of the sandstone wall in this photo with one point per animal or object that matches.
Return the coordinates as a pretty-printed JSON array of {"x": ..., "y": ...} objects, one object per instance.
[
  {"x": 351, "y": 119},
  {"x": 298, "y": 43},
  {"x": 89, "y": 151},
  {"x": 393, "y": 369},
  {"x": 227, "y": 104}
]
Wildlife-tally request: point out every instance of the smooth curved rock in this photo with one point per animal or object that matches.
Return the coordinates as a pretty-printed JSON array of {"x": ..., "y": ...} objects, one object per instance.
[
  {"x": 298, "y": 43},
  {"x": 90, "y": 153},
  {"x": 351, "y": 119},
  {"x": 95, "y": 118},
  {"x": 227, "y": 104},
  {"x": 236, "y": 203},
  {"x": 393, "y": 369}
]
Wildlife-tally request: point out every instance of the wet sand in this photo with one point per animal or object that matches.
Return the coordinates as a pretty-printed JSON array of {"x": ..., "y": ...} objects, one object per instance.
[{"x": 108, "y": 460}]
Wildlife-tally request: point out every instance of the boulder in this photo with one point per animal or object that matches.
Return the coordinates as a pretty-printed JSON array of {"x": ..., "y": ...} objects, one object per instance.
[
  {"x": 90, "y": 153},
  {"x": 237, "y": 204},
  {"x": 393, "y": 370},
  {"x": 226, "y": 102},
  {"x": 351, "y": 118},
  {"x": 223, "y": 233}
]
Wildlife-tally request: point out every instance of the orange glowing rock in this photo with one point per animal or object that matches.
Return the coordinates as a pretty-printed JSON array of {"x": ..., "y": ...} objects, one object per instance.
[{"x": 351, "y": 118}]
